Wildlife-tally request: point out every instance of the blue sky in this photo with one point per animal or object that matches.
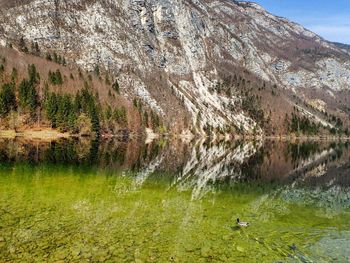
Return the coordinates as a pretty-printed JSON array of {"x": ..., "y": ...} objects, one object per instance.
[{"x": 330, "y": 19}]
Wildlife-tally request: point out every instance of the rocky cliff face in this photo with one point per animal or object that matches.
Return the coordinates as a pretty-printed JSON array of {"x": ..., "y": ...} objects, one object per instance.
[{"x": 178, "y": 56}]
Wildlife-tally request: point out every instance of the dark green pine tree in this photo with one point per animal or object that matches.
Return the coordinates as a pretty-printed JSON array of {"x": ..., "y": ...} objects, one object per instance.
[
  {"x": 97, "y": 70},
  {"x": 14, "y": 75},
  {"x": 55, "y": 78},
  {"x": 89, "y": 106},
  {"x": 28, "y": 96},
  {"x": 55, "y": 57},
  {"x": 95, "y": 120},
  {"x": 34, "y": 76},
  {"x": 115, "y": 86},
  {"x": 48, "y": 57},
  {"x": 65, "y": 108},
  {"x": 51, "y": 108},
  {"x": 7, "y": 99},
  {"x": 22, "y": 45},
  {"x": 36, "y": 48},
  {"x": 72, "y": 120},
  {"x": 59, "y": 77}
]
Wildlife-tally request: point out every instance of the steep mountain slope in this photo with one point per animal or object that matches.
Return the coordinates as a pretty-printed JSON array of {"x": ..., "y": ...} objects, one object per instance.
[
  {"x": 200, "y": 64},
  {"x": 14, "y": 68},
  {"x": 343, "y": 46}
]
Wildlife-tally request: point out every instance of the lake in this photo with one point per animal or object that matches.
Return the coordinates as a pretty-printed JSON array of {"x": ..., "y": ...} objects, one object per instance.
[{"x": 174, "y": 201}]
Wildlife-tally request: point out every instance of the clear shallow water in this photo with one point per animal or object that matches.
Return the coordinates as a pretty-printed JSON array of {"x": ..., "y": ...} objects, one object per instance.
[{"x": 174, "y": 202}]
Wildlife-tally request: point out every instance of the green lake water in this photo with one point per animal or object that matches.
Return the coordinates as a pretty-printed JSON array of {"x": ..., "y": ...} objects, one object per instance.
[{"x": 174, "y": 202}]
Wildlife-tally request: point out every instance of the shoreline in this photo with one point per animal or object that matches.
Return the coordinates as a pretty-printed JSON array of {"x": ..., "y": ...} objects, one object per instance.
[
  {"x": 50, "y": 134},
  {"x": 34, "y": 134}
]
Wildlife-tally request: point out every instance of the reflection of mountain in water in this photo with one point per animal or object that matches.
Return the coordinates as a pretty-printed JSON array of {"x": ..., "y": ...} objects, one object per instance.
[
  {"x": 209, "y": 163},
  {"x": 321, "y": 169}
]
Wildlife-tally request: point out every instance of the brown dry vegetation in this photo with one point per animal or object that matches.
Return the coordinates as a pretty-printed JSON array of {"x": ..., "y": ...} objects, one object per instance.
[
  {"x": 12, "y": 3},
  {"x": 73, "y": 81}
]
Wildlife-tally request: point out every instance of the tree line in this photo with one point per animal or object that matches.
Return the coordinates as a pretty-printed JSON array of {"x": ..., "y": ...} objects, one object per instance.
[
  {"x": 78, "y": 114},
  {"x": 27, "y": 94}
]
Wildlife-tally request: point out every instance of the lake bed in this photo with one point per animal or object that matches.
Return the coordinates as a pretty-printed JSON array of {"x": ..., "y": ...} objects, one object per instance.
[{"x": 171, "y": 201}]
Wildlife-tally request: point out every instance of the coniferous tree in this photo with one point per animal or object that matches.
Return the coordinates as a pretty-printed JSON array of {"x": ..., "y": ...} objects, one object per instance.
[
  {"x": 28, "y": 96},
  {"x": 81, "y": 76},
  {"x": 95, "y": 121},
  {"x": 22, "y": 45},
  {"x": 146, "y": 119},
  {"x": 36, "y": 48},
  {"x": 59, "y": 77},
  {"x": 7, "y": 99},
  {"x": 72, "y": 121},
  {"x": 65, "y": 109},
  {"x": 66, "y": 112},
  {"x": 55, "y": 78},
  {"x": 14, "y": 75},
  {"x": 107, "y": 81},
  {"x": 55, "y": 57},
  {"x": 97, "y": 70},
  {"x": 155, "y": 119},
  {"x": 89, "y": 106},
  {"x": 108, "y": 113},
  {"x": 115, "y": 86},
  {"x": 33, "y": 74},
  {"x": 51, "y": 108},
  {"x": 48, "y": 57}
]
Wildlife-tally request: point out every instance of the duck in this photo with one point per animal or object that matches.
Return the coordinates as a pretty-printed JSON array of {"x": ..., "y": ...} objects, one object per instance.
[{"x": 242, "y": 224}]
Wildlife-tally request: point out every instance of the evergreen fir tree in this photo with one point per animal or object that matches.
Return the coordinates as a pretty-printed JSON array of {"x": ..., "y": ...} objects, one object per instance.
[
  {"x": 115, "y": 86},
  {"x": 48, "y": 57},
  {"x": 51, "y": 108},
  {"x": 36, "y": 48},
  {"x": 27, "y": 94},
  {"x": 14, "y": 75},
  {"x": 22, "y": 45},
  {"x": 7, "y": 99},
  {"x": 97, "y": 70},
  {"x": 55, "y": 57},
  {"x": 34, "y": 76}
]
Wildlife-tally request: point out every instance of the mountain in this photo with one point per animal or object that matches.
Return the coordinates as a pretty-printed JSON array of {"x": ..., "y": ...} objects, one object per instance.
[
  {"x": 200, "y": 65},
  {"x": 343, "y": 46}
]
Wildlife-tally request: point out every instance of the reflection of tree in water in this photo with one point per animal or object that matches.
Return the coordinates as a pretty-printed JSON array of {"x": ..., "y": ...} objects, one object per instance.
[
  {"x": 197, "y": 164},
  {"x": 148, "y": 153},
  {"x": 301, "y": 151},
  {"x": 61, "y": 153},
  {"x": 111, "y": 153},
  {"x": 107, "y": 154},
  {"x": 67, "y": 151},
  {"x": 251, "y": 169},
  {"x": 12, "y": 151},
  {"x": 72, "y": 152}
]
